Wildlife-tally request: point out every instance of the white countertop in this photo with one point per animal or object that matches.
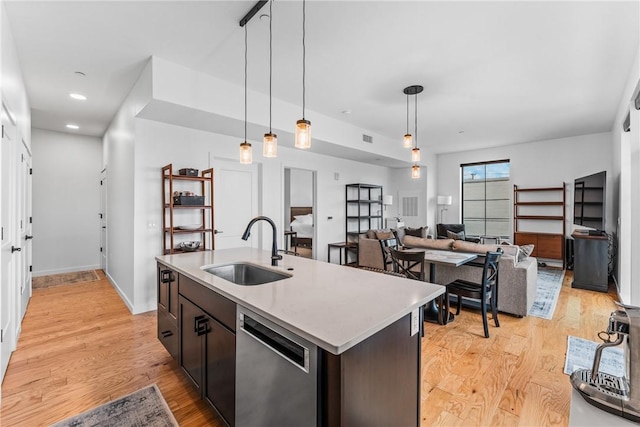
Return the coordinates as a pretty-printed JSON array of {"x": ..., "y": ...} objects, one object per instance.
[
  {"x": 333, "y": 306},
  {"x": 584, "y": 414}
]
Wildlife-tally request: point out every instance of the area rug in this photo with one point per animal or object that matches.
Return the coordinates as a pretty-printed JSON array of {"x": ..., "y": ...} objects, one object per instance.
[
  {"x": 64, "y": 279},
  {"x": 580, "y": 354},
  {"x": 548, "y": 289},
  {"x": 143, "y": 408}
]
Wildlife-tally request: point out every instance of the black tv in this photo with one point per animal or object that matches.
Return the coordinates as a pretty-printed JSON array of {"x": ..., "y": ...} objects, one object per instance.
[{"x": 589, "y": 196}]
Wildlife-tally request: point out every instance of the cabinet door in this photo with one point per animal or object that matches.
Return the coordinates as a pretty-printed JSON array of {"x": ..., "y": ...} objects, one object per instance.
[
  {"x": 193, "y": 325},
  {"x": 221, "y": 370},
  {"x": 168, "y": 292}
]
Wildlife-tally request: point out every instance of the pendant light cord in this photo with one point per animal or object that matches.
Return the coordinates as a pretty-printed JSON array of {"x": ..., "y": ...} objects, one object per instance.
[
  {"x": 416, "y": 120},
  {"x": 245, "y": 83},
  {"x": 304, "y": 51},
  {"x": 407, "y": 114},
  {"x": 270, "y": 60}
]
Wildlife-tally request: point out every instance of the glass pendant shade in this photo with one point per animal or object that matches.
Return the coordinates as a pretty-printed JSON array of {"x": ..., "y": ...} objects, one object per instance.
[
  {"x": 415, "y": 155},
  {"x": 270, "y": 145},
  {"x": 415, "y": 172},
  {"x": 407, "y": 141},
  {"x": 246, "y": 156},
  {"x": 303, "y": 134}
]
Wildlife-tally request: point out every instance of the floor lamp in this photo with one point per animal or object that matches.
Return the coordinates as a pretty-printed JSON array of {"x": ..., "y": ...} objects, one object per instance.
[{"x": 444, "y": 201}]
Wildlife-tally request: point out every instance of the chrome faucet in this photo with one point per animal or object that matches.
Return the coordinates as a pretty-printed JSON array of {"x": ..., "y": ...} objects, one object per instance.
[{"x": 274, "y": 246}]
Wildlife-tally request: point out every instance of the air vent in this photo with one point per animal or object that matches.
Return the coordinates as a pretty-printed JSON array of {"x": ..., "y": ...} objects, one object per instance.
[{"x": 367, "y": 138}]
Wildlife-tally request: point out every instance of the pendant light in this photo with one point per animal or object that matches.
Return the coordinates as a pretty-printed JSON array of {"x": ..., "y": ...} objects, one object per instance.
[
  {"x": 407, "y": 141},
  {"x": 415, "y": 172},
  {"x": 415, "y": 151},
  {"x": 303, "y": 126},
  {"x": 246, "y": 156},
  {"x": 270, "y": 141}
]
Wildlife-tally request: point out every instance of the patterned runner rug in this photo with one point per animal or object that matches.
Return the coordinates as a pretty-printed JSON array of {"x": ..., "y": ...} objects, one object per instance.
[
  {"x": 143, "y": 408},
  {"x": 580, "y": 354},
  {"x": 64, "y": 279},
  {"x": 548, "y": 289}
]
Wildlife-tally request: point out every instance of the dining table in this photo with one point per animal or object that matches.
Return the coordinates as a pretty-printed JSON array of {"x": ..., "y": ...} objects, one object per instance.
[{"x": 442, "y": 257}]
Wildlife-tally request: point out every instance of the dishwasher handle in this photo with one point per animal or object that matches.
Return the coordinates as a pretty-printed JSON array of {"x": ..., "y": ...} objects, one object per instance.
[{"x": 287, "y": 348}]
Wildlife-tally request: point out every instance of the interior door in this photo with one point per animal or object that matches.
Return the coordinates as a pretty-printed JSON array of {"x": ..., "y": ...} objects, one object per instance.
[
  {"x": 236, "y": 202},
  {"x": 25, "y": 229},
  {"x": 103, "y": 220},
  {"x": 8, "y": 242}
]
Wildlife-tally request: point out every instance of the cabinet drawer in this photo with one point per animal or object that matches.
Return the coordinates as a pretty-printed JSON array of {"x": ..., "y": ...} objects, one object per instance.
[
  {"x": 215, "y": 305},
  {"x": 168, "y": 334},
  {"x": 550, "y": 247}
]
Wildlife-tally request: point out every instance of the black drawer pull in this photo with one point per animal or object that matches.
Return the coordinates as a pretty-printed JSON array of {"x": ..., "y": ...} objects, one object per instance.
[
  {"x": 201, "y": 325},
  {"x": 166, "y": 334},
  {"x": 166, "y": 276}
]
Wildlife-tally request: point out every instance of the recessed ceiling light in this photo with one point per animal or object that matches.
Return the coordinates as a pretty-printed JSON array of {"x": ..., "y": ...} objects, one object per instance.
[
  {"x": 347, "y": 112},
  {"x": 460, "y": 131},
  {"x": 78, "y": 96},
  {"x": 70, "y": 126}
]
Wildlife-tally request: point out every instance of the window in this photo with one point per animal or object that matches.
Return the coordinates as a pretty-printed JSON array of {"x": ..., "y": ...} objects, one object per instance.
[{"x": 486, "y": 198}]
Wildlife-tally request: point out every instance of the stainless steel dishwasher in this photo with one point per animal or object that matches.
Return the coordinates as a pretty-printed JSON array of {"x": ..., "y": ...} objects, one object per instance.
[{"x": 276, "y": 375}]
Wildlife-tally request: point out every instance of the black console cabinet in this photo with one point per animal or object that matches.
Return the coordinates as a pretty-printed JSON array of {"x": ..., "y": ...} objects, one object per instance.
[{"x": 590, "y": 262}]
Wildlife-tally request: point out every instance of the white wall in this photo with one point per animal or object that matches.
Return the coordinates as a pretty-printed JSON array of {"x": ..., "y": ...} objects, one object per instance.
[
  {"x": 536, "y": 164},
  {"x": 157, "y": 144},
  {"x": 301, "y": 187},
  {"x": 13, "y": 92},
  {"x": 626, "y": 173},
  {"x": 66, "y": 202},
  {"x": 118, "y": 159}
]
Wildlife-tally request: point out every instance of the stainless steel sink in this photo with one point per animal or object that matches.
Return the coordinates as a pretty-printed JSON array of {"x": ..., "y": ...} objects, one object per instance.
[{"x": 246, "y": 274}]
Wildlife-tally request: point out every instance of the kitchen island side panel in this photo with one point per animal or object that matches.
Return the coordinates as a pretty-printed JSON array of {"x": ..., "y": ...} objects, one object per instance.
[{"x": 375, "y": 383}]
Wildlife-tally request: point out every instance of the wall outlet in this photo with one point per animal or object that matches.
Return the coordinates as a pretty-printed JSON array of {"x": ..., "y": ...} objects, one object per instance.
[{"x": 415, "y": 321}]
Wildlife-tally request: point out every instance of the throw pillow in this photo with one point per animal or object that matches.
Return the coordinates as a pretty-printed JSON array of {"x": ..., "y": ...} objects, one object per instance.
[
  {"x": 525, "y": 252},
  {"x": 305, "y": 219},
  {"x": 421, "y": 242},
  {"x": 456, "y": 236},
  {"x": 417, "y": 232},
  {"x": 371, "y": 234},
  {"x": 398, "y": 233},
  {"x": 476, "y": 248},
  {"x": 384, "y": 235}
]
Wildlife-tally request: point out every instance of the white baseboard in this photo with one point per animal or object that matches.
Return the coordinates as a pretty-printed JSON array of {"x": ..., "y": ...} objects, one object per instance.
[
  {"x": 119, "y": 291},
  {"x": 132, "y": 309},
  {"x": 66, "y": 270}
]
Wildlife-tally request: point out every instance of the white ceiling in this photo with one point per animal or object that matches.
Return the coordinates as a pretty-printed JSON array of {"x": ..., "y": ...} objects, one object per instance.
[{"x": 494, "y": 72}]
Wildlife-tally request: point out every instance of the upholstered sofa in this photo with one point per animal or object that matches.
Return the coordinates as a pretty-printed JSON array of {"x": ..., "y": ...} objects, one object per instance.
[{"x": 517, "y": 273}]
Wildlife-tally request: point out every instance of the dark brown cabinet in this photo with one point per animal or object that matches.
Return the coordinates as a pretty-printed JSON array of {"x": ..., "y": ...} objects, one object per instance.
[
  {"x": 167, "y": 290},
  {"x": 207, "y": 356}
]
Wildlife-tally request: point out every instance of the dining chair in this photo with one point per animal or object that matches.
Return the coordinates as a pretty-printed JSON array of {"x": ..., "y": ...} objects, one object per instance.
[
  {"x": 409, "y": 263},
  {"x": 485, "y": 291},
  {"x": 385, "y": 246}
]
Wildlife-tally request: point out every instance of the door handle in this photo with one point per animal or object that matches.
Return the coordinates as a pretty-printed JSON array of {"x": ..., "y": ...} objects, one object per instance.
[
  {"x": 27, "y": 237},
  {"x": 14, "y": 249},
  {"x": 218, "y": 231}
]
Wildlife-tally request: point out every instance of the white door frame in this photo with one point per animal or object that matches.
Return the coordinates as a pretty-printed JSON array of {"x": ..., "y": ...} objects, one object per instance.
[
  {"x": 8, "y": 240},
  {"x": 25, "y": 231},
  {"x": 103, "y": 219}
]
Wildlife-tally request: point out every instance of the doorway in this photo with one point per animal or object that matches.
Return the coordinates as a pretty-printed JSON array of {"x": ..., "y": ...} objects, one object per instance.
[{"x": 300, "y": 211}]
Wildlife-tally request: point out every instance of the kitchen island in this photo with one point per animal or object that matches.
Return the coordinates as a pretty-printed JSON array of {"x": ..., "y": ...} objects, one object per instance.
[{"x": 360, "y": 332}]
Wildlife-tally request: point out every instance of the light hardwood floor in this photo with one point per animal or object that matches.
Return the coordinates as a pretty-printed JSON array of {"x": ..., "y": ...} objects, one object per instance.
[{"x": 80, "y": 347}]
